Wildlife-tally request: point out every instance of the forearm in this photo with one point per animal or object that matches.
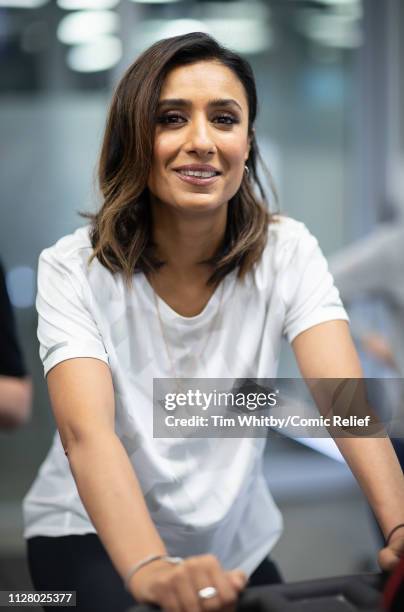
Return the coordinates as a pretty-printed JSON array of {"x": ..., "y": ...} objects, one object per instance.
[
  {"x": 112, "y": 496},
  {"x": 375, "y": 466},
  {"x": 15, "y": 401}
]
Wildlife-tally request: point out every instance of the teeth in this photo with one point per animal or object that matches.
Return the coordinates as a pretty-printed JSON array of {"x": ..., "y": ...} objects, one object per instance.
[{"x": 197, "y": 173}]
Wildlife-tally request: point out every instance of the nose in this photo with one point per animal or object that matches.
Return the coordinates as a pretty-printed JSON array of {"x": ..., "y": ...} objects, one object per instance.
[{"x": 200, "y": 139}]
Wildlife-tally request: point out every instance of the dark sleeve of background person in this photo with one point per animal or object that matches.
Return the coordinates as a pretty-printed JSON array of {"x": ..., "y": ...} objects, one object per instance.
[{"x": 11, "y": 359}]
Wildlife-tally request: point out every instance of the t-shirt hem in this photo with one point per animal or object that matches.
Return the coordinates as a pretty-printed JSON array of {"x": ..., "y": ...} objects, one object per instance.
[
  {"x": 55, "y": 532},
  {"x": 250, "y": 564}
]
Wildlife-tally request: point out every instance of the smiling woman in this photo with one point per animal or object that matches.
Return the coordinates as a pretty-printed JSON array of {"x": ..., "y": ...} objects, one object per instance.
[
  {"x": 182, "y": 272},
  {"x": 162, "y": 127},
  {"x": 217, "y": 130}
]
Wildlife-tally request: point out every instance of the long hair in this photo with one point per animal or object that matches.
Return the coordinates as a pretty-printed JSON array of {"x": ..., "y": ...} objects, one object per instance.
[{"x": 121, "y": 232}]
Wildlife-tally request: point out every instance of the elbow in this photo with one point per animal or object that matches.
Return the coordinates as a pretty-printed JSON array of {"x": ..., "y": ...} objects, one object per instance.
[{"x": 74, "y": 439}]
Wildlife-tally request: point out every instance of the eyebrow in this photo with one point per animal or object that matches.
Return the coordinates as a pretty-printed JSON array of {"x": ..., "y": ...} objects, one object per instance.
[{"x": 182, "y": 102}]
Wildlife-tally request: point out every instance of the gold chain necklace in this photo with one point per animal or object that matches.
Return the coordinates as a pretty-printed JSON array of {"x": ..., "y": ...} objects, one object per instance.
[{"x": 163, "y": 333}]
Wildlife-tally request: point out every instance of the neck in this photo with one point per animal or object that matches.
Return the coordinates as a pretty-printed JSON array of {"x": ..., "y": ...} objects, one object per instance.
[{"x": 183, "y": 240}]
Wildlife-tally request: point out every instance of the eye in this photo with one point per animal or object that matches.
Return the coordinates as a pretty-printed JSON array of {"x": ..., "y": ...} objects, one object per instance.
[
  {"x": 169, "y": 119},
  {"x": 227, "y": 119},
  {"x": 176, "y": 119}
]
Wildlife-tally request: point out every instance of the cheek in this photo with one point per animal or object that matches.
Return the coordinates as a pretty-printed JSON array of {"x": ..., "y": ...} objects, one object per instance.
[
  {"x": 160, "y": 155},
  {"x": 164, "y": 148},
  {"x": 235, "y": 152}
]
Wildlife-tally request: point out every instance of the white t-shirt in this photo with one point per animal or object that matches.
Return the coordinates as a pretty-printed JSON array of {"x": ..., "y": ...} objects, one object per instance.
[{"x": 204, "y": 495}]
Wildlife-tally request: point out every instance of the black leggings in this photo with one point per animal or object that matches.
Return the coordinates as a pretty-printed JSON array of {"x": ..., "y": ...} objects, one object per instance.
[{"x": 80, "y": 563}]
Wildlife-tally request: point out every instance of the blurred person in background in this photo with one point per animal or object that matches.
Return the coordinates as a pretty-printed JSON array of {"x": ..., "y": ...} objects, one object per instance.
[
  {"x": 15, "y": 386},
  {"x": 183, "y": 272},
  {"x": 372, "y": 268}
]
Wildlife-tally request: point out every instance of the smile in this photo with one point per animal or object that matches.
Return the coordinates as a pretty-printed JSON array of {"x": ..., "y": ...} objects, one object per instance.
[{"x": 197, "y": 177}]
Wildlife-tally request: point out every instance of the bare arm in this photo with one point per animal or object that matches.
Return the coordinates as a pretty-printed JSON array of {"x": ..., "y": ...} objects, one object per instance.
[
  {"x": 327, "y": 351},
  {"x": 82, "y": 397},
  {"x": 15, "y": 401}
]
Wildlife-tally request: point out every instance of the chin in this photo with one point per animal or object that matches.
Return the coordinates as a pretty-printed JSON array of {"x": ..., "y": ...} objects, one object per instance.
[{"x": 196, "y": 203}]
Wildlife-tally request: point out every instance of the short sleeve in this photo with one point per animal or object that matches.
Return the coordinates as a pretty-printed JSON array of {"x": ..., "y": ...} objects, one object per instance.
[
  {"x": 66, "y": 327},
  {"x": 308, "y": 289}
]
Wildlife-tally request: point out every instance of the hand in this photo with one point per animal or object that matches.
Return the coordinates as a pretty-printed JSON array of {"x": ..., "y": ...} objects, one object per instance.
[
  {"x": 390, "y": 556},
  {"x": 175, "y": 587}
]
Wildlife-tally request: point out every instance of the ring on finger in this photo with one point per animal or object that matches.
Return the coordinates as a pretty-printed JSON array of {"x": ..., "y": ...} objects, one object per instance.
[{"x": 207, "y": 592}]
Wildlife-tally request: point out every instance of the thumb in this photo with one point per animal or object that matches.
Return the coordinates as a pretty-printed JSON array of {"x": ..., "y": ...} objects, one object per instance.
[
  {"x": 388, "y": 559},
  {"x": 238, "y": 579}
]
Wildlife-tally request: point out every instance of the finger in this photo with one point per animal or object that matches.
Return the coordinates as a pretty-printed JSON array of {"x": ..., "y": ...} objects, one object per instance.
[
  {"x": 185, "y": 591},
  {"x": 201, "y": 579},
  {"x": 227, "y": 592},
  {"x": 238, "y": 578}
]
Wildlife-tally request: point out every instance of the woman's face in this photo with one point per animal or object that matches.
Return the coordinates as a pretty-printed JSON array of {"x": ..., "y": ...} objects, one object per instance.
[{"x": 202, "y": 126}]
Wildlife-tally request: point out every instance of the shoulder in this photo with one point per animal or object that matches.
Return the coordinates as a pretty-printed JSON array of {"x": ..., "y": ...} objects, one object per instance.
[
  {"x": 286, "y": 238},
  {"x": 286, "y": 229},
  {"x": 289, "y": 249},
  {"x": 69, "y": 253}
]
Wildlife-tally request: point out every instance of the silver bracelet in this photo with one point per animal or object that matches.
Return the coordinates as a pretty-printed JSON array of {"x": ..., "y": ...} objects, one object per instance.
[{"x": 146, "y": 561}]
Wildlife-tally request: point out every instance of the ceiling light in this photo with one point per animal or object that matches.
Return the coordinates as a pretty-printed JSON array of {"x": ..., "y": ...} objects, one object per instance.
[
  {"x": 352, "y": 8},
  {"x": 82, "y": 5},
  {"x": 236, "y": 10},
  {"x": 333, "y": 30},
  {"x": 155, "y": 1},
  {"x": 246, "y": 36},
  {"x": 342, "y": 2},
  {"x": 86, "y": 26},
  {"x": 26, "y": 4},
  {"x": 242, "y": 35},
  {"x": 156, "y": 29},
  {"x": 96, "y": 56}
]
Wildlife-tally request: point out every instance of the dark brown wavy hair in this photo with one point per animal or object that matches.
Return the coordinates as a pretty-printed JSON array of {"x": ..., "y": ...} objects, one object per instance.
[{"x": 121, "y": 232}]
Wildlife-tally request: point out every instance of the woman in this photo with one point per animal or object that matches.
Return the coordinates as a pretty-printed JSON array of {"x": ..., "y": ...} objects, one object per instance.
[{"x": 188, "y": 276}]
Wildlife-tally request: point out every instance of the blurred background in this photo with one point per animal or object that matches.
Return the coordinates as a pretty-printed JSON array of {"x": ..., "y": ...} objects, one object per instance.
[{"x": 331, "y": 130}]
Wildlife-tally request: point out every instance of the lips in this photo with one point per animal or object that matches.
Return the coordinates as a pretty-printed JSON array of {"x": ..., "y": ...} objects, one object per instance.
[
  {"x": 197, "y": 180},
  {"x": 198, "y": 174},
  {"x": 197, "y": 168}
]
